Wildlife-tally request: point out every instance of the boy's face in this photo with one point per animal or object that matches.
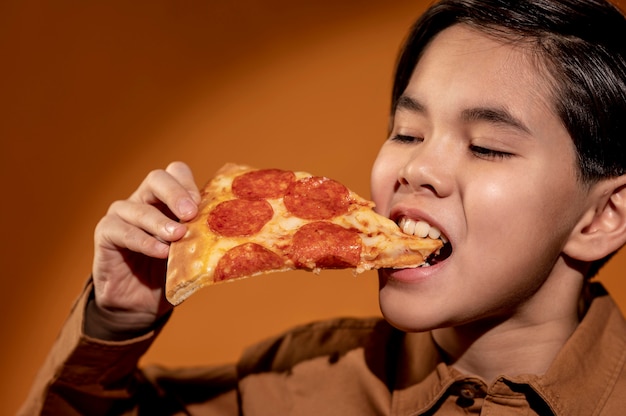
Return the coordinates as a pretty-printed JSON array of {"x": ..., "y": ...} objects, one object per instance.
[{"x": 477, "y": 151}]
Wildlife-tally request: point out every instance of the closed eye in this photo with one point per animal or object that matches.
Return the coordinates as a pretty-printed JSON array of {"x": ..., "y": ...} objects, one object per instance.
[
  {"x": 403, "y": 138},
  {"x": 486, "y": 153}
]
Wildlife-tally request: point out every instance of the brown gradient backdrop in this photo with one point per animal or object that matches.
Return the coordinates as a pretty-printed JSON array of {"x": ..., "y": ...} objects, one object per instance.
[{"x": 96, "y": 94}]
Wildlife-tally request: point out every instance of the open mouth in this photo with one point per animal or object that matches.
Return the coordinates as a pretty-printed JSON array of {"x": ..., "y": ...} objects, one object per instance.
[{"x": 423, "y": 229}]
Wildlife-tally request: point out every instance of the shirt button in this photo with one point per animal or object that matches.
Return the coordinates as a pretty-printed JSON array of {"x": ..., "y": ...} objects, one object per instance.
[{"x": 468, "y": 391}]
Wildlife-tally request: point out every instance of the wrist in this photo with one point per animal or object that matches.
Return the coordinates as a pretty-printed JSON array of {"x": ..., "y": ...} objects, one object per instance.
[{"x": 109, "y": 325}]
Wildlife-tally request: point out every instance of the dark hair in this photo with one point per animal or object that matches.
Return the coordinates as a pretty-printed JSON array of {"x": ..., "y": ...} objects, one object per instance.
[{"x": 582, "y": 43}]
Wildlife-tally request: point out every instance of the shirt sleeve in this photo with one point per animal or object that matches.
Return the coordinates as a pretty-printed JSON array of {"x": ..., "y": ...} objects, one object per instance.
[{"x": 84, "y": 375}]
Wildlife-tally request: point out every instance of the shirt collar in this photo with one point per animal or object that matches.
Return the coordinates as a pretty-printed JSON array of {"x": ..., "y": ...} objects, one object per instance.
[
  {"x": 579, "y": 380},
  {"x": 422, "y": 378},
  {"x": 586, "y": 370}
]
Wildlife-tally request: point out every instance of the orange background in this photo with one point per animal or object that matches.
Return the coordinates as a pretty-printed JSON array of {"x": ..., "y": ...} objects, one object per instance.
[{"x": 96, "y": 94}]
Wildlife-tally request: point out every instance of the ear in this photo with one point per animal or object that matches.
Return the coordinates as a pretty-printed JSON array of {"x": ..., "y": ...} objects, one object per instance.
[{"x": 602, "y": 229}]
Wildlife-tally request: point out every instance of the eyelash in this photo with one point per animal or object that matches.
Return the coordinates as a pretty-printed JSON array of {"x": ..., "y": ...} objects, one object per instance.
[
  {"x": 402, "y": 138},
  {"x": 478, "y": 151},
  {"x": 486, "y": 153}
]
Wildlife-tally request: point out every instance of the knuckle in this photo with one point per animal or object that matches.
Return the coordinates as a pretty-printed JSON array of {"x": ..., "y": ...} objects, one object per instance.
[
  {"x": 176, "y": 166},
  {"x": 102, "y": 226},
  {"x": 154, "y": 175},
  {"x": 115, "y": 207},
  {"x": 98, "y": 230}
]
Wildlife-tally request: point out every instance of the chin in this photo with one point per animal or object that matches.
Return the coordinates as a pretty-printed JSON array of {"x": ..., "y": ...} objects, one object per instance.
[{"x": 405, "y": 313}]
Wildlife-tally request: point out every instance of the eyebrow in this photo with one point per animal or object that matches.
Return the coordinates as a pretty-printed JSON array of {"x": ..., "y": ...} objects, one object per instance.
[
  {"x": 493, "y": 115},
  {"x": 407, "y": 103}
]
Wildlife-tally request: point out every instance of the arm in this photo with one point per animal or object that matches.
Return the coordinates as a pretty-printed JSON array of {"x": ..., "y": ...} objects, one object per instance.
[{"x": 92, "y": 367}]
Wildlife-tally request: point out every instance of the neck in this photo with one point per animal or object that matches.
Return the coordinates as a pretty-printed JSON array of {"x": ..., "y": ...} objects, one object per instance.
[
  {"x": 525, "y": 342},
  {"x": 505, "y": 351}
]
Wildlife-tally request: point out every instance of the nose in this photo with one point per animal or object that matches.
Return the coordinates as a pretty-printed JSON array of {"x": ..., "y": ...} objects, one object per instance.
[{"x": 429, "y": 167}]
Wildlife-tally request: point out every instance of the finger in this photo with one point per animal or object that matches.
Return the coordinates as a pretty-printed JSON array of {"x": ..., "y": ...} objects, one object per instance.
[
  {"x": 148, "y": 218},
  {"x": 161, "y": 187},
  {"x": 114, "y": 233},
  {"x": 183, "y": 174}
]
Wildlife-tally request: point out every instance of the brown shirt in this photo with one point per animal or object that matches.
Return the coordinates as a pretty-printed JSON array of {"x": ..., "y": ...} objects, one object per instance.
[{"x": 337, "y": 367}]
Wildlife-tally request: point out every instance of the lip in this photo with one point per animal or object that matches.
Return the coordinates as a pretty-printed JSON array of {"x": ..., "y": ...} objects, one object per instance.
[
  {"x": 417, "y": 274},
  {"x": 413, "y": 275}
]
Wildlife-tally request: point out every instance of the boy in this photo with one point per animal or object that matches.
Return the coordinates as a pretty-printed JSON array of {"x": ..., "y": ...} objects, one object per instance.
[{"x": 508, "y": 123}]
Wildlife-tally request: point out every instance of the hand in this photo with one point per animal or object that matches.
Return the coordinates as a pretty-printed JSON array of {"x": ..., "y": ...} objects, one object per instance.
[{"x": 132, "y": 244}]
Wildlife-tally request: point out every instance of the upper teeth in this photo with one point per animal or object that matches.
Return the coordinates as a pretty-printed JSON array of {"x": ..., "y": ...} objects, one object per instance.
[{"x": 420, "y": 228}]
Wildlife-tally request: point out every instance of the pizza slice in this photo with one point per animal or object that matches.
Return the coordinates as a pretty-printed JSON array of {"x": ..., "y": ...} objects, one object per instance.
[{"x": 255, "y": 221}]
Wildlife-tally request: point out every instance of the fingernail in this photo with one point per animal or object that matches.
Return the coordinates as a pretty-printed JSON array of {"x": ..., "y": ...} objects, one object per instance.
[
  {"x": 171, "y": 227},
  {"x": 186, "y": 207}
]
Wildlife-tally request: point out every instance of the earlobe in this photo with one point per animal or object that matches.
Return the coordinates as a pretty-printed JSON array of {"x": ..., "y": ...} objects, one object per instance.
[{"x": 602, "y": 230}]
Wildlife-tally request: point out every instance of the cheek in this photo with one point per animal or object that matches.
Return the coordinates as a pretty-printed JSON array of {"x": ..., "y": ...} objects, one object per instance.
[
  {"x": 383, "y": 181},
  {"x": 524, "y": 208}
]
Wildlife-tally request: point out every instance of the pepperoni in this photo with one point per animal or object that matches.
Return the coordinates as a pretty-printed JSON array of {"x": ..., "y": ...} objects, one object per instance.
[
  {"x": 245, "y": 260},
  {"x": 326, "y": 245},
  {"x": 240, "y": 217},
  {"x": 317, "y": 198},
  {"x": 263, "y": 184}
]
